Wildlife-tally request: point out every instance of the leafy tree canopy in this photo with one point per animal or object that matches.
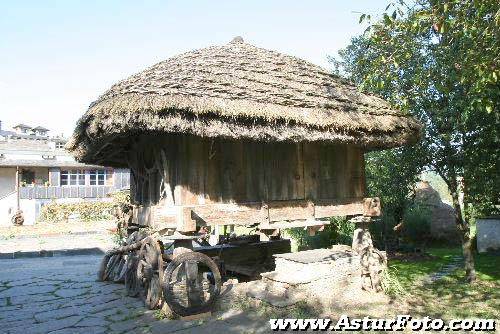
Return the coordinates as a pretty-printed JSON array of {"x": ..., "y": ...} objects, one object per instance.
[{"x": 438, "y": 60}]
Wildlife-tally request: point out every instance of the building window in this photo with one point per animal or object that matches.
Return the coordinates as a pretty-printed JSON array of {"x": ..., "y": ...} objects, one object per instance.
[
  {"x": 73, "y": 177},
  {"x": 60, "y": 145},
  {"x": 101, "y": 177}
]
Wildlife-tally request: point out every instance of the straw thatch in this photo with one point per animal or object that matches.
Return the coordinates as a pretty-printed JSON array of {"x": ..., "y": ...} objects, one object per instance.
[{"x": 239, "y": 91}]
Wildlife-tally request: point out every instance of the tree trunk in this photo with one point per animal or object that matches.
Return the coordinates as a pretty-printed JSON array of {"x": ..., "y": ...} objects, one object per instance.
[{"x": 464, "y": 229}]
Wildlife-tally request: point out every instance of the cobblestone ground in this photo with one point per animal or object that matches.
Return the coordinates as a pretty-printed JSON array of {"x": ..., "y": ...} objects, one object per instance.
[{"x": 60, "y": 295}]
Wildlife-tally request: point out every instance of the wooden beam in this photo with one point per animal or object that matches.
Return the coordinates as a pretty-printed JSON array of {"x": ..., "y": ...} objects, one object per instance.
[
  {"x": 273, "y": 215},
  {"x": 292, "y": 224},
  {"x": 332, "y": 208},
  {"x": 231, "y": 214},
  {"x": 311, "y": 230},
  {"x": 249, "y": 254},
  {"x": 290, "y": 210}
]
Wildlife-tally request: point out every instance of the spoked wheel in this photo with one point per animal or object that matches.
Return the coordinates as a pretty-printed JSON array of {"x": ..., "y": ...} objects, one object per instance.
[
  {"x": 191, "y": 283},
  {"x": 150, "y": 272},
  {"x": 132, "y": 284},
  {"x": 112, "y": 267}
]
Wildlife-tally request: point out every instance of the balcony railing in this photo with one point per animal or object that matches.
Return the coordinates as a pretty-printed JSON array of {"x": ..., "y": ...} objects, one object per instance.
[{"x": 49, "y": 192}]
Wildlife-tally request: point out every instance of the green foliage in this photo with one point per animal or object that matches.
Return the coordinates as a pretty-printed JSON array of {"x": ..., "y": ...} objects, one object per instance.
[
  {"x": 382, "y": 231},
  {"x": 438, "y": 60},
  {"x": 85, "y": 211},
  {"x": 391, "y": 175},
  {"x": 339, "y": 231},
  {"x": 120, "y": 197},
  {"x": 342, "y": 231},
  {"x": 446, "y": 298},
  {"x": 391, "y": 284},
  {"x": 417, "y": 226}
]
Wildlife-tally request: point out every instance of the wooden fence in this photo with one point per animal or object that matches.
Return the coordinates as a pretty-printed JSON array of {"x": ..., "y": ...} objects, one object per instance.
[{"x": 43, "y": 192}]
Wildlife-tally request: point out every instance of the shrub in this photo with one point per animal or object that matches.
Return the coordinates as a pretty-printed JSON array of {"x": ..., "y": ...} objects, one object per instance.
[
  {"x": 339, "y": 231},
  {"x": 417, "y": 226},
  {"x": 342, "y": 231},
  {"x": 86, "y": 211},
  {"x": 121, "y": 197},
  {"x": 382, "y": 231}
]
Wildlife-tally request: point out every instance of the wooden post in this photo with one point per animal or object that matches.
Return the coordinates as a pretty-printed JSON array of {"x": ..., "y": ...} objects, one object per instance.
[
  {"x": 194, "y": 290},
  {"x": 18, "y": 206}
]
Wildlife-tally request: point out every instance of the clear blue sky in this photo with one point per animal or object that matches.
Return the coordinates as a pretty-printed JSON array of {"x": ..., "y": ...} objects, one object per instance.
[{"x": 56, "y": 57}]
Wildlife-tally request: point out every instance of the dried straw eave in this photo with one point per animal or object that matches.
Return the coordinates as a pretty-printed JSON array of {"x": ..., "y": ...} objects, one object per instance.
[
  {"x": 103, "y": 122},
  {"x": 360, "y": 118}
]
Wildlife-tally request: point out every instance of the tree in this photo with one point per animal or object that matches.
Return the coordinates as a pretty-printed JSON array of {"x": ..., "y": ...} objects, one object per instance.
[
  {"x": 439, "y": 60},
  {"x": 392, "y": 175}
]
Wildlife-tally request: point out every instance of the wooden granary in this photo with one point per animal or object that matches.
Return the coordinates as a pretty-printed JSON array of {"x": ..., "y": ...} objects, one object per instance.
[{"x": 240, "y": 135}]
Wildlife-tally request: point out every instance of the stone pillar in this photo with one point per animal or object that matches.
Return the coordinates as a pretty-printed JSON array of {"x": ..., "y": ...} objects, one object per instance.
[
  {"x": 373, "y": 261},
  {"x": 362, "y": 237}
]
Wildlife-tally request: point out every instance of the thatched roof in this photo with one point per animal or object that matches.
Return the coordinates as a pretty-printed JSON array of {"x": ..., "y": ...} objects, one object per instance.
[{"x": 239, "y": 91}]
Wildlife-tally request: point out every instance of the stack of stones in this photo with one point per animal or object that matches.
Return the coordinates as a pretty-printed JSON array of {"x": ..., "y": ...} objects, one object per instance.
[
  {"x": 306, "y": 273},
  {"x": 442, "y": 215}
]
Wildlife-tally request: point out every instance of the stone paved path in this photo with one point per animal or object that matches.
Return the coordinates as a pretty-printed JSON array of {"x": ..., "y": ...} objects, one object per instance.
[
  {"x": 59, "y": 295},
  {"x": 455, "y": 263}
]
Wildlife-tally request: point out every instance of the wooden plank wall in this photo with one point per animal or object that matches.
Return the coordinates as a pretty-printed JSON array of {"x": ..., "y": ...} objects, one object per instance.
[{"x": 204, "y": 171}]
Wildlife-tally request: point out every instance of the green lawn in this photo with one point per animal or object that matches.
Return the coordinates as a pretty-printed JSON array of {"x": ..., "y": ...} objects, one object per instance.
[
  {"x": 409, "y": 272},
  {"x": 451, "y": 297}
]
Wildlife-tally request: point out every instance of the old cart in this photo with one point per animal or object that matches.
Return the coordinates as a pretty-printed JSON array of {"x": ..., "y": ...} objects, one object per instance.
[{"x": 230, "y": 135}]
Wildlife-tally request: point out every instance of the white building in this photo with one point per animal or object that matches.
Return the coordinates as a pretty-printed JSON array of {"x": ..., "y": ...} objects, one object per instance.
[{"x": 35, "y": 169}]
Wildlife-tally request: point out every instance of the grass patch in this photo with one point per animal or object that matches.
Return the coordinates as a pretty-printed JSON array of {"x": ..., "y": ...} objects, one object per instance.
[
  {"x": 409, "y": 272},
  {"x": 159, "y": 315},
  {"x": 488, "y": 267},
  {"x": 451, "y": 297}
]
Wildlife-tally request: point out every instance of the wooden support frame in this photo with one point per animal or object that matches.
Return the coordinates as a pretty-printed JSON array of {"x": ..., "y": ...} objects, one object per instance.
[{"x": 267, "y": 216}]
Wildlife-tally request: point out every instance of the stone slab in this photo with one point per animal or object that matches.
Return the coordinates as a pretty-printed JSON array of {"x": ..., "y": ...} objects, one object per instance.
[{"x": 314, "y": 256}]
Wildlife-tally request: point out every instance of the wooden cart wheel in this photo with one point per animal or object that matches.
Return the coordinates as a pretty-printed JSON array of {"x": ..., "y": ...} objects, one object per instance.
[
  {"x": 132, "y": 283},
  {"x": 111, "y": 267},
  {"x": 101, "y": 273},
  {"x": 119, "y": 272},
  {"x": 150, "y": 272},
  {"x": 191, "y": 283}
]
